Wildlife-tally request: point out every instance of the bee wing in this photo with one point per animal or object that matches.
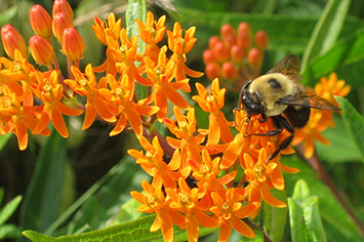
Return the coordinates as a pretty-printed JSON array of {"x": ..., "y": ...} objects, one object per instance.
[
  {"x": 309, "y": 98},
  {"x": 289, "y": 66}
]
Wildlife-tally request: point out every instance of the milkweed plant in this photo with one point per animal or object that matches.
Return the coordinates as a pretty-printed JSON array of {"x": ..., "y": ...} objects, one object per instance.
[{"x": 162, "y": 82}]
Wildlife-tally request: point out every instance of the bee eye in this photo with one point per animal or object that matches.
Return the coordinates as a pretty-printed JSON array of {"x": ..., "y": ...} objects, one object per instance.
[{"x": 274, "y": 83}]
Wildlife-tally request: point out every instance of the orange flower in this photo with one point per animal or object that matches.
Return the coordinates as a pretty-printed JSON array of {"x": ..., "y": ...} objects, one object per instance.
[
  {"x": 153, "y": 201},
  {"x": 153, "y": 164},
  {"x": 41, "y": 50},
  {"x": 18, "y": 114},
  {"x": 258, "y": 175},
  {"x": 185, "y": 200},
  {"x": 51, "y": 93},
  {"x": 184, "y": 129},
  {"x": 152, "y": 33},
  {"x": 164, "y": 88},
  {"x": 180, "y": 46},
  {"x": 73, "y": 45},
  {"x": 229, "y": 209},
  {"x": 59, "y": 23},
  {"x": 212, "y": 101},
  {"x": 86, "y": 85},
  {"x": 207, "y": 175},
  {"x": 121, "y": 94}
]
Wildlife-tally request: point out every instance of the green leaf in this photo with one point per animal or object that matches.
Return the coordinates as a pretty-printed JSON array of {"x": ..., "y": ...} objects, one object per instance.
[
  {"x": 326, "y": 31},
  {"x": 137, "y": 230},
  {"x": 331, "y": 210},
  {"x": 137, "y": 9},
  {"x": 275, "y": 218},
  {"x": 305, "y": 215},
  {"x": 9, "y": 231},
  {"x": 4, "y": 138},
  {"x": 354, "y": 123},
  {"x": 9, "y": 209},
  {"x": 43, "y": 198},
  {"x": 7, "y": 15},
  {"x": 342, "y": 148},
  {"x": 346, "y": 58}
]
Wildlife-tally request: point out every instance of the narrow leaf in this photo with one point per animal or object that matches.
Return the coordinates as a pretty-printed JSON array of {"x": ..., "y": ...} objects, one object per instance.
[
  {"x": 305, "y": 217},
  {"x": 137, "y": 9},
  {"x": 4, "y": 140},
  {"x": 9, "y": 209},
  {"x": 326, "y": 31},
  {"x": 43, "y": 198},
  {"x": 354, "y": 123}
]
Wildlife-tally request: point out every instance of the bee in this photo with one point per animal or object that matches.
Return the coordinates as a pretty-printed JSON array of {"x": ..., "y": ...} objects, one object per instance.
[{"x": 280, "y": 95}]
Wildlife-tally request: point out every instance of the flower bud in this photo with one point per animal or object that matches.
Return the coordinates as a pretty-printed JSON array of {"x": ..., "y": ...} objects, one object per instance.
[
  {"x": 62, "y": 6},
  {"x": 13, "y": 40},
  {"x": 212, "y": 71},
  {"x": 59, "y": 24},
  {"x": 41, "y": 50},
  {"x": 244, "y": 40},
  {"x": 255, "y": 57},
  {"x": 213, "y": 40},
  {"x": 226, "y": 30},
  {"x": 208, "y": 57},
  {"x": 229, "y": 71},
  {"x": 244, "y": 27},
  {"x": 237, "y": 54},
  {"x": 73, "y": 45},
  {"x": 40, "y": 21},
  {"x": 221, "y": 52},
  {"x": 261, "y": 39}
]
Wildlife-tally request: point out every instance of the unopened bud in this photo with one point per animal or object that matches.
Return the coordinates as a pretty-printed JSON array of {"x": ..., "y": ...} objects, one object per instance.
[
  {"x": 221, "y": 52},
  {"x": 40, "y": 21},
  {"x": 226, "y": 30},
  {"x": 62, "y": 6},
  {"x": 261, "y": 39},
  {"x": 244, "y": 40},
  {"x": 208, "y": 57},
  {"x": 213, "y": 40},
  {"x": 73, "y": 45},
  {"x": 212, "y": 71},
  {"x": 13, "y": 40},
  {"x": 41, "y": 50},
  {"x": 244, "y": 27},
  {"x": 229, "y": 71},
  {"x": 255, "y": 57},
  {"x": 59, "y": 24},
  {"x": 237, "y": 54}
]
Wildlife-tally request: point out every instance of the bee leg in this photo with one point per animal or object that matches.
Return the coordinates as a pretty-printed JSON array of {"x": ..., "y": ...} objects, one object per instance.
[
  {"x": 279, "y": 120},
  {"x": 263, "y": 120}
]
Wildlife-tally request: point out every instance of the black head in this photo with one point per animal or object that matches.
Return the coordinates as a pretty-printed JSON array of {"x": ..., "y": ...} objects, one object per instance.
[{"x": 252, "y": 103}]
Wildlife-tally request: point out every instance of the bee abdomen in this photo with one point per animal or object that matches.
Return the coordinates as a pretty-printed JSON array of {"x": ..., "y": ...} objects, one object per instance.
[{"x": 297, "y": 116}]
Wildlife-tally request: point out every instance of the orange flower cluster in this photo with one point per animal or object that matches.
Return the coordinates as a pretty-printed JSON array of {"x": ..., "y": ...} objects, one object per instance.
[
  {"x": 321, "y": 120},
  {"x": 232, "y": 56}
]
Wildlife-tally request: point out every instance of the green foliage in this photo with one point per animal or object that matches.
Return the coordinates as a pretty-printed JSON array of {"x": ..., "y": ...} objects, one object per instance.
[{"x": 330, "y": 40}]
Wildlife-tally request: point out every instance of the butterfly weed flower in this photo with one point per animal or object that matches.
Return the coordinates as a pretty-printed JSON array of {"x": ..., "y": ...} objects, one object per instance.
[{"x": 12, "y": 40}]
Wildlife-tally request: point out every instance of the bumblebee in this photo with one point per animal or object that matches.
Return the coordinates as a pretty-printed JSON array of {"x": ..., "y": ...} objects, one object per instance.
[{"x": 280, "y": 95}]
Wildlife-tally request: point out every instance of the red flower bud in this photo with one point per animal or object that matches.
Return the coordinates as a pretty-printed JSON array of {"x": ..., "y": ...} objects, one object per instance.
[
  {"x": 226, "y": 30},
  {"x": 244, "y": 40},
  {"x": 261, "y": 39},
  {"x": 59, "y": 24},
  {"x": 73, "y": 45},
  {"x": 13, "y": 40},
  {"x": 212, "y": 71},
  {"x": 62, "y": 6},
  {"x": 255, "y": 57},
  {"x": 229, "y": 71},
  {"x": 237, "y": 54},
  {"x": 40, "y": 21},
  {"x": 213, "y": 40},
  {"x": 41, "y": 50},
  {"x": 208, "y": 57},
  {"x": 221, "y": 52},
  {"x": 244, "y": 27}
]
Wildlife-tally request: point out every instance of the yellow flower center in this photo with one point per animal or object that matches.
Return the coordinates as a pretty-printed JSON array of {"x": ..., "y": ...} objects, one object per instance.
[{"x": 259, "y": 171}]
